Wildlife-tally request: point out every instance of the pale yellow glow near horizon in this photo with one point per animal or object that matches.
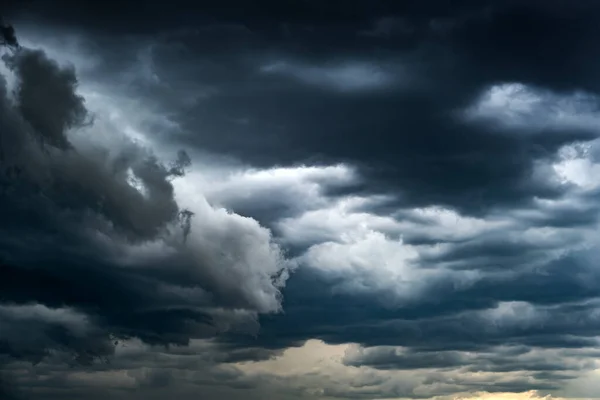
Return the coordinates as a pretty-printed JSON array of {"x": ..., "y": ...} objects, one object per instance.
[
  {"x": 529, "y": 395},
  {"x": 313, "y": 356},
  {"x": 320, "y": 364}
]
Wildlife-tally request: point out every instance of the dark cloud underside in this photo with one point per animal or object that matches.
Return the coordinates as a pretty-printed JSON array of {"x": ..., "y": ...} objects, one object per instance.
[
  {"x": 407, "y": 138},
  {"x": 65, "y": 211},
  {"x": 447, "y": 226}
]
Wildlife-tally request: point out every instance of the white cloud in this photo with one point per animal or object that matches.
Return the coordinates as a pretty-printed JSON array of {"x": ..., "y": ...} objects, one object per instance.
[
  {"x": 515, "y": 105},
  {"x": 400, "y": 257},
  {"x": 303, "y": 184},
  {"x": 332, "y": 221},
  {"x": 576, "y": 166},
  {"x": 241, "y": 251}
]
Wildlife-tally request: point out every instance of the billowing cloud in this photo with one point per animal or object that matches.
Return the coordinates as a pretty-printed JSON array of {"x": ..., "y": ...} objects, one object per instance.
[
  {"x": 92, "y": 246},
  {"x": 517, "y": 106},
  {"x": 381, "y": 200}
]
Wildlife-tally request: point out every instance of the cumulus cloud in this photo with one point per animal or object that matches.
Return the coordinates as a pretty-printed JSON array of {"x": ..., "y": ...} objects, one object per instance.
[
  {"x": 272, "y": 194},
  {"x": 443, "y": 237},
  {"x": 447, "y": 292},
  {"x": 91, "y": 233},
  {"x": 425, "y": 247},
  {"x": 517, "y": 106}
]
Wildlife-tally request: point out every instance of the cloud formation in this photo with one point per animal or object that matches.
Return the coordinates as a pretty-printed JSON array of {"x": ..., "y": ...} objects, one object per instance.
[
  {"x": 91, "y": 246},
  {"x": 427, "y": 170}
]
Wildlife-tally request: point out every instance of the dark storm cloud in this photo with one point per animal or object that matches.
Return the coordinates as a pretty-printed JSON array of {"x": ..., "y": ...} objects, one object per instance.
[
  {"x": 446, "y": 317},
  {"x": 71, "y": 221},
  {"x": 7, "y": 390},
  {"x": 520, "y": 321},
  {"x": 408, "y": 139},
  {"x": 494, "y": 253},
  {"x": 302, "y": 95},
  {"x": 383, "y": 86},
  {"x": 267, "y": 12},
  {"x": 518, "y": 358},
  {"x": 32, "y": 331},
  {"x": 37, "y": 94},
  {"x": 47, "y": 107}
]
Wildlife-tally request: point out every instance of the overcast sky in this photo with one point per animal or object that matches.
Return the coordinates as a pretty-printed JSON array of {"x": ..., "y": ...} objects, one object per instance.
[{"x": 300, "y": 199}]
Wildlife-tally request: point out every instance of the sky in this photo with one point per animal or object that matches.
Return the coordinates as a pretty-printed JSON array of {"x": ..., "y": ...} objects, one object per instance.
[{"x": 300, "y": 200}]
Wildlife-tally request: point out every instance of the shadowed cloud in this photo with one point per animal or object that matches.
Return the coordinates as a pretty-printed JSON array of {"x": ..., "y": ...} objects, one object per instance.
[{"x": 376, "y": 200}]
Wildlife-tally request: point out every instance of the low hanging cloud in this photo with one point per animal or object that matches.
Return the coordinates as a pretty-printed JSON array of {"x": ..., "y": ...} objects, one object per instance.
[
  {"x": 432, "y": 168},
  {"x": 95, "y": 244}
]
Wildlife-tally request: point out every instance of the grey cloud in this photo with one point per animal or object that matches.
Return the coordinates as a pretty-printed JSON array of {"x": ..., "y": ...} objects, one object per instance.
[
  {"x": 451, "y": 162},
  {"x": 46, "y": 97},
  {"x": 96, "y": 181},
  {"x": 7, "y": 390},
  {"x": 469, "y": 328},
  {"x": 351, "y": 77},
  {"x": 390, "y": 358},
  {"x": 525, "y": 282},
  {"x": 136, "y": 371},
  {"x": 91, "y": 224},
  {"x": 33, "y": 331},
  {"x": 501, "y": 359},
  {"x": 279, "y": 193}
]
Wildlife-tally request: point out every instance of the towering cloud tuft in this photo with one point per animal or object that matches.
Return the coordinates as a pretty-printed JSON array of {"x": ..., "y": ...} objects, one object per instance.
[{"x": 91, "y": 237}]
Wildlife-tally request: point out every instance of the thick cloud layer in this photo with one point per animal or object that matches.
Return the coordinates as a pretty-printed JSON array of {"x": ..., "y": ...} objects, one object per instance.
[
  {"x": 344, "y": 88},
  {"x": 92, "y": 245},
  {"x": 430, "y": 167}
]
